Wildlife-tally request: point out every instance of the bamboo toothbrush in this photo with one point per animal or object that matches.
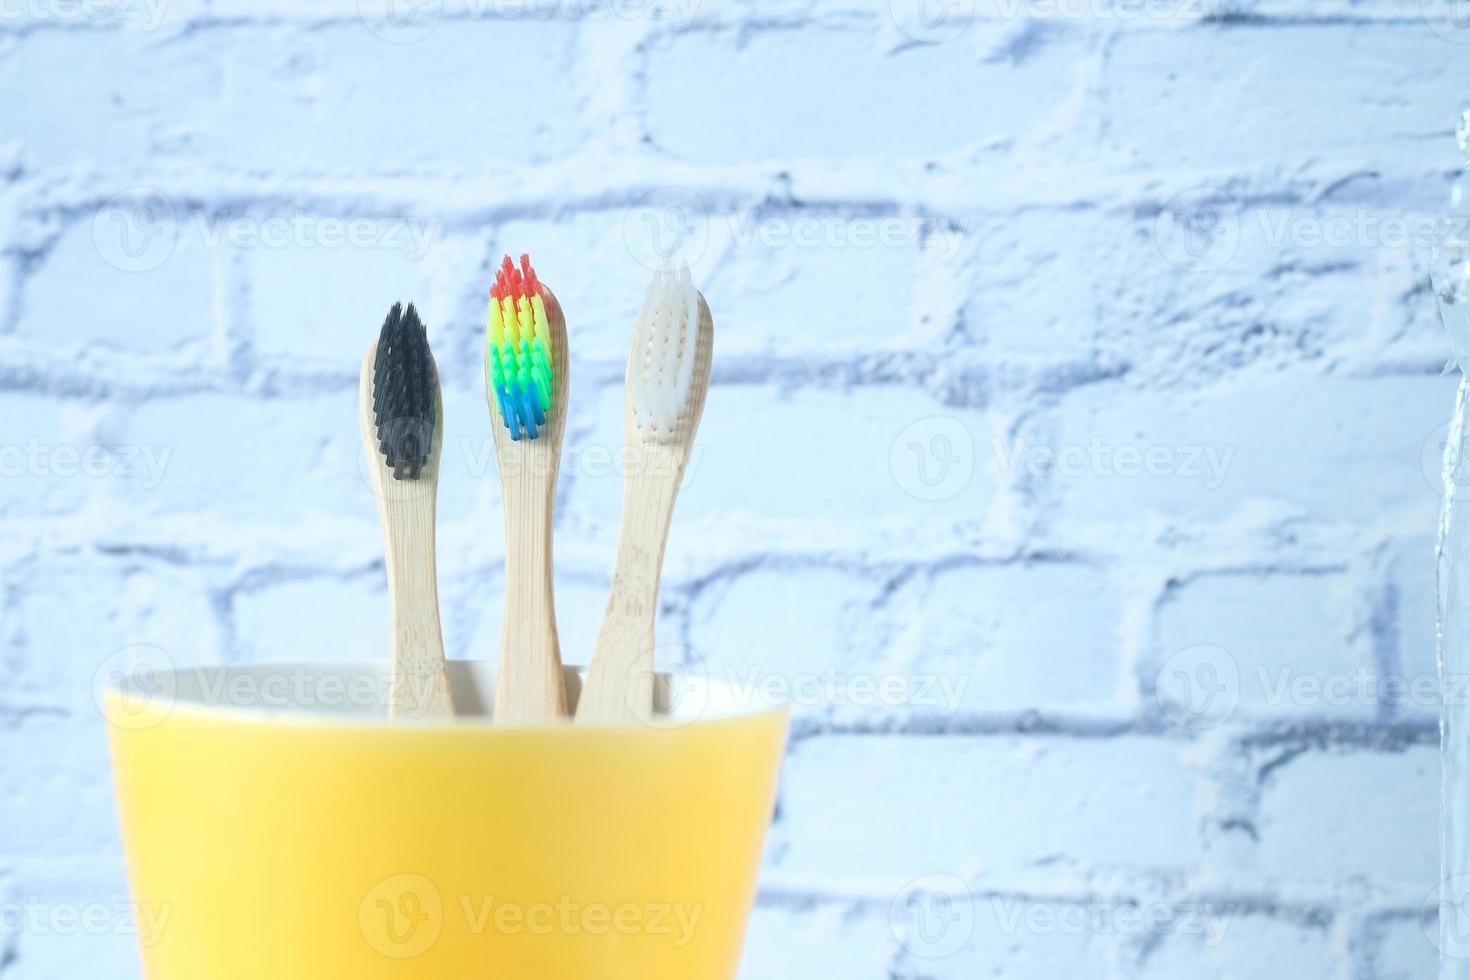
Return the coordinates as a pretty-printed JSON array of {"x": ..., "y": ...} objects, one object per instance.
[
  {"x": 402, "y": 435},
  {"x": 526, "y": 384},
  {"x": 668, "y": 378}
]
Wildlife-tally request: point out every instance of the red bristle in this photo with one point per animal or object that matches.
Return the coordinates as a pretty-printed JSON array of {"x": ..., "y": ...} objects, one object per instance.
[
  {"x": 532, "y": 286},
  {"x": 504, "y": 280},
  {"x": 513, "y": 278}
]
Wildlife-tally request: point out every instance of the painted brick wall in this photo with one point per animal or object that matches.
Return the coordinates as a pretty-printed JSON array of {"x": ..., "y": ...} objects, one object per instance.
[{"x": 1068, "y": 463}]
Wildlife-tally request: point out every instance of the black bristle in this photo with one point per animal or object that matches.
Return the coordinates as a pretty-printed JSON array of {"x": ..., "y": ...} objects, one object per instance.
[{"x": 404, "y": 393}]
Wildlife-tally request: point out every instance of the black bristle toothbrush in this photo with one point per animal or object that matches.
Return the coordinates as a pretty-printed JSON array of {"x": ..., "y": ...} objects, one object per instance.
[{"x": 402, "y": 432}]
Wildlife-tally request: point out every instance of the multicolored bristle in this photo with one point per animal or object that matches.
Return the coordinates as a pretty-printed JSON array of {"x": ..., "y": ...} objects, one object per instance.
[
  {"x": 661, "y": 369},
  {"x": 405, "y": 393},
  {"x": 518, "y": 338}
]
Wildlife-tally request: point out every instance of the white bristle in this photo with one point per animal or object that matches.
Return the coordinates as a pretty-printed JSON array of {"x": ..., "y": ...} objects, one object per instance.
[{"x": 662, "y": 365}]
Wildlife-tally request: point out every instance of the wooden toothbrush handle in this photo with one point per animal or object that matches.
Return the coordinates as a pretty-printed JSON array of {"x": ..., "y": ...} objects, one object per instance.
[
  {"x": 419, "y": 681},
  {"x": 529, "y": 685},
  {"x": 619, "y": 686}
]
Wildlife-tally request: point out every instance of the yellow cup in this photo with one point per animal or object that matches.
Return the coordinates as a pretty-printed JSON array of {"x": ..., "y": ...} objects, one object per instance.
[{"x": 278, "y": 828}]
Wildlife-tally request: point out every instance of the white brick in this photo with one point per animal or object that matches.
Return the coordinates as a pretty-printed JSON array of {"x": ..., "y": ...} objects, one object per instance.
[
  {"x": 1368, "y": 817},
  {"x": 1411, "y": 580},
  {"x": 1330, "y": 449},
  {"x": 790, "y": 944},
  {"x": 66, "y": 619},
  {"x": 1013, "y": 936},
  {"x": 273, "y": 460},
  {"x": 323, "y": 298},
  {"x": 1276, "y": 283},
  {"x": 314, "y": 620},
  {"x": 1018, "y": 636},
  {"x": 310, "y": 92},
  {"x": 1055, "y": 286},
  {"x": 863, "y": 269},
  {"x": 760, "y": 622},
  {"x": 1057, "y": 805},
  {"x": 62, "y": 794},
  {"x": 153, "y": 298},
  {"x": 1245, "y": 946},
  {"x": 1293, "y": 654},
  {"x": 42, "y": 454},
  {"x": 1405, "y": 951},
  {"x": 899, "y": 103},
  {"x": 1310, "y": 91},
  {"x": 51, "y": 107},
  {"x": 76, "y": 920}
]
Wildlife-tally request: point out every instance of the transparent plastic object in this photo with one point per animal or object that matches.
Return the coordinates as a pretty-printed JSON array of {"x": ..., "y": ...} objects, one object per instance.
[{"x": 1450, "y": 273}]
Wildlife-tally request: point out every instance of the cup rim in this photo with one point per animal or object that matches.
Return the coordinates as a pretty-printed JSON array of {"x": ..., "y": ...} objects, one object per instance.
[{"x": 354, "y": 695}]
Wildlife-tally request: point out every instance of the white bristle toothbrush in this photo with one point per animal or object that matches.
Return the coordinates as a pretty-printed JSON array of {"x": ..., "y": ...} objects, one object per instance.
[
  {"x": 668, "y": 378},
  {"x": 526, "y": 384},
  {"x": 403, "y": 433}
]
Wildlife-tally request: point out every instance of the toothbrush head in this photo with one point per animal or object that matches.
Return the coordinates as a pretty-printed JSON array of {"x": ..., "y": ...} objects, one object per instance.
[
  {"x": 519, "y": 345},
  {"x": 404, "y": 393},
  {"x": 661, "y": 364}
]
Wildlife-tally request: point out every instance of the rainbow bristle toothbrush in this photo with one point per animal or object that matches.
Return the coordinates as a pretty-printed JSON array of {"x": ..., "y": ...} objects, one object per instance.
[
  {"x": 668, "y": 379},
  {"x": 519, "y": 348},
  {"x": 402, "y": 434},
  {"x": 526, "y": 385}
]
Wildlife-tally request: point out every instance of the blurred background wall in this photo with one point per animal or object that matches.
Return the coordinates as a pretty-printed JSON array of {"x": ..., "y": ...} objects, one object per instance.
[{"x": 1069, "y": 462}]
